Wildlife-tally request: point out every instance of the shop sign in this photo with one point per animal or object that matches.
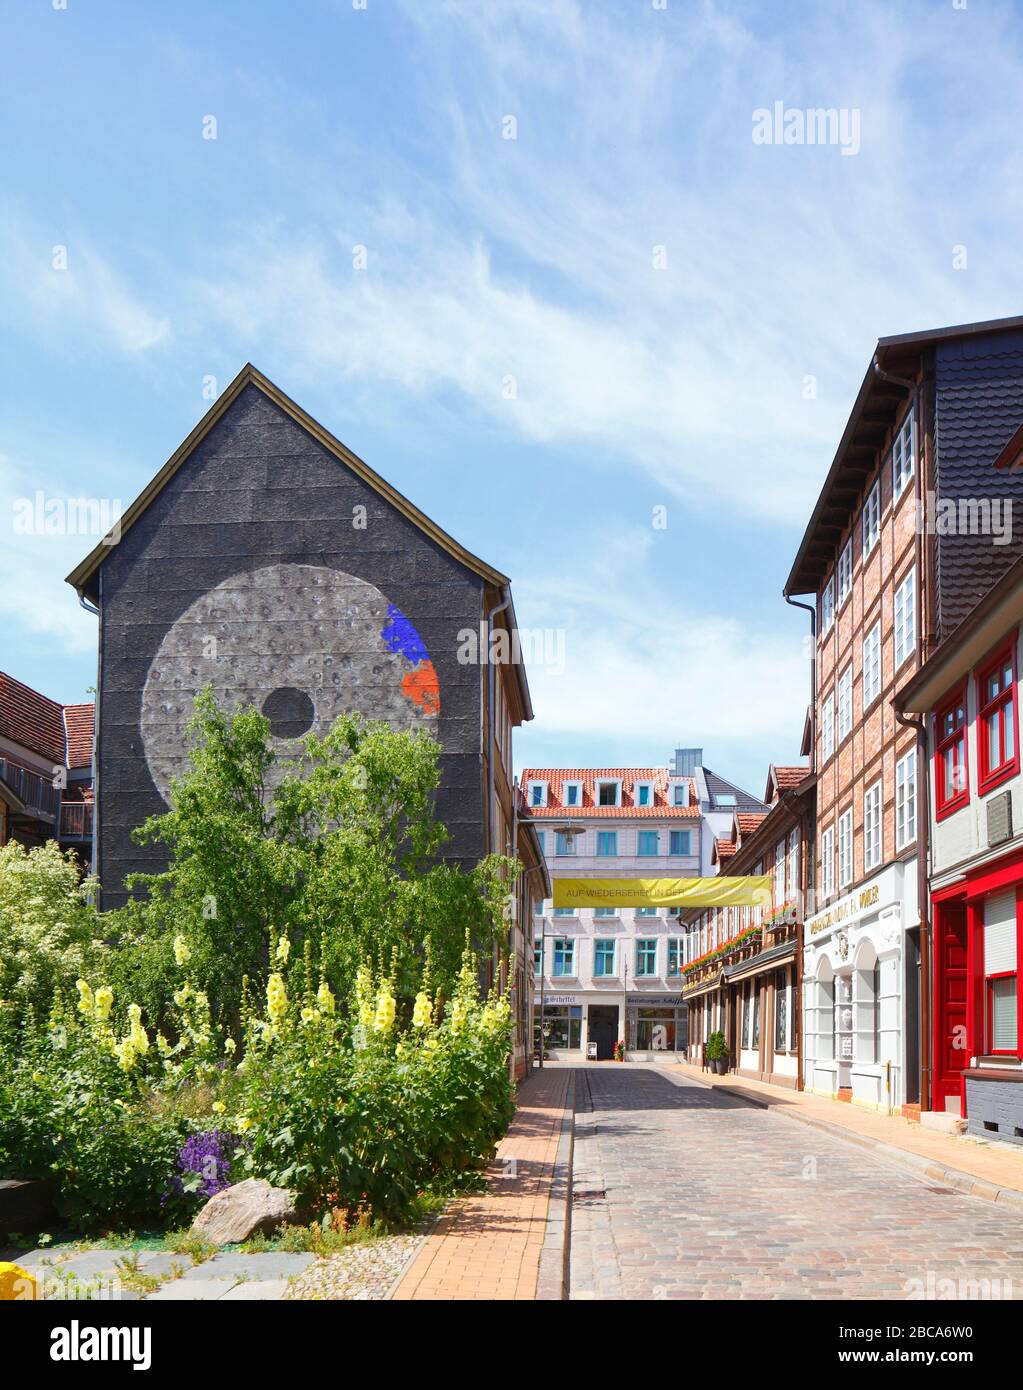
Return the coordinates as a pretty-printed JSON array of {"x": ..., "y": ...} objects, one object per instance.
[
  {"x": 847, "y": 909},
  {"x": 556, "y": 1000},
  {"x": 673, "y": 999}
]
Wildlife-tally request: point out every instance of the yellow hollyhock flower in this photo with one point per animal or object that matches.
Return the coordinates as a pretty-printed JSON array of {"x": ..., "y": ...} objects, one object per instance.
[
  {"x": 182, "y": 954},
  {"x": 385, "y": 1011},
  {"x": 325, "y": 998},
  {"x": 283, "y": 950},
  {"x": 422, "y": 1012},
  {"x": 276, "y": 999},
  {"x": 86, "y": 1004},
  {"x": 103, "y": 1003}
]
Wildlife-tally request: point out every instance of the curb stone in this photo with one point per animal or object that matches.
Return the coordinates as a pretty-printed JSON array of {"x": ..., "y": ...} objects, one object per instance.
[{"x": 555, "y": 1256}]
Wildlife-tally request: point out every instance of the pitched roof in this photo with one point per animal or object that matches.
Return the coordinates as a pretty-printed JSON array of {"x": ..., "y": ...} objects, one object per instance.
[
  {"x": 782, "y": 777},
  {"x": 61, "y": 733},
  {"x": 555, "y": 777},
  {"x": 749, "y": 822},
  {"x": 724, "y": 848},
  {"x": 878, "y": 403},
  {"x": 31, "y": 719},
  {"x": 78, "y": 725}
]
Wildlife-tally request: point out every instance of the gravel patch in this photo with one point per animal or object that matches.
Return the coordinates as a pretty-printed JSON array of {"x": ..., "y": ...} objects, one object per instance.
[{"x": 365, "y": 1271}]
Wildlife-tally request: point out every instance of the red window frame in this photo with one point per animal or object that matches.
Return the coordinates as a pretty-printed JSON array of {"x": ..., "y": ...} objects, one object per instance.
[
  {"x": 946, "y": 805},
  {"x": 988, "y": 776}
]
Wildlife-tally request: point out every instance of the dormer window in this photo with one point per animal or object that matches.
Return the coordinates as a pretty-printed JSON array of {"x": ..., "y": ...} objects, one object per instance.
[
  {"x": 643, "y": 793},
  {"x": 680, "y": 794},
  {"x": 609, "y": 793},
  {"x": 538, "y": 793},
  {"x": 572, "y": 793}
]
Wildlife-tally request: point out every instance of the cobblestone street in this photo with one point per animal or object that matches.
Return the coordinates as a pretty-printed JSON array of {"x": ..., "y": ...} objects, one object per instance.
[{"x": 681, "y": 1192}]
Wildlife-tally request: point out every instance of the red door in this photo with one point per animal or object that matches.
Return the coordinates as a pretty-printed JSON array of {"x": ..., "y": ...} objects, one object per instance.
[{"x": 950, "y": 996}]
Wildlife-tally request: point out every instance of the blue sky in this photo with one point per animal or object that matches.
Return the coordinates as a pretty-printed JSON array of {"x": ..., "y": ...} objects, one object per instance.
[{"x": 644, "y": 378}]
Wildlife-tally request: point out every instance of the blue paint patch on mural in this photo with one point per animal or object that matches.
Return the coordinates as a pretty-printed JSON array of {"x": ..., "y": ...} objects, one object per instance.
[{"x": 401, "y": 636}]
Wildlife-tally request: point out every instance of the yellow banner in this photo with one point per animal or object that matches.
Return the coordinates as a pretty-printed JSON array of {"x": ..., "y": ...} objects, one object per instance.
[{"x": 751, "y": 890}]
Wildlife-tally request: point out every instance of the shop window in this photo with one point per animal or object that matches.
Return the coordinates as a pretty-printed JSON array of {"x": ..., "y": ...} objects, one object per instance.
[
  {"x": 843, "y": 1019},
  {"x": 996, "y": 720},
  {"x": 951, "y": 773},
  {"x": 746, "y": 1015},
  {"x": 564, "y": 956},
  {"x": 755, "y": 990},
  {"x": 781, "y": 1011},
  {"x": 603, "y": 958},
  {"x": 1001, "y": 958},
  {"x": 560, "y": 1027},
  {"x": 646, "y": 956}
]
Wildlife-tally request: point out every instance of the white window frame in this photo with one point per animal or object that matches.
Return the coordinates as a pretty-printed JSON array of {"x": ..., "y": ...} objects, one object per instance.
[
  {"x": 845, "y": 849},
  {"x": 680, "y": 793},
  {"x": 873, "y": 826},
  {"x": 845, "y": 570},
  {"x": 608, "y": 782},
  {"x": 903, "y": 457},
  {"x": 543, "y": 794},
  {"x": 845, "y": 703},
  {"x": 636, "y": 786},
  {"x": 904, "y": 622},
  {"x": 872, "y": 672},
  {"x": 779, "y": 873},
  {"x": 827, "y": 607},
  {"x": 564, "y": 794},
  {"x": 905, "y": 800},
  {"x": 827, "y": 728},
  {"x": 828, "y": 862},
  {"x": 871, "y": 518}
]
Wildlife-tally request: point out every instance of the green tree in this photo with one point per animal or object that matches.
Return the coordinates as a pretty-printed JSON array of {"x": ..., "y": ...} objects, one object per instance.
[{"x": 337, "y": 850}]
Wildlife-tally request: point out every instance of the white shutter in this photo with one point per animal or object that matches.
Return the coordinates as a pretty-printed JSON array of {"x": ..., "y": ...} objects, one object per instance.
[{"x": 1000, "y": 933}]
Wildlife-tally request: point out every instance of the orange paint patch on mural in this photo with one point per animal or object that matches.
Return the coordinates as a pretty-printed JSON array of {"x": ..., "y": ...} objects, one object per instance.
[{"x": 422, "y": 687}]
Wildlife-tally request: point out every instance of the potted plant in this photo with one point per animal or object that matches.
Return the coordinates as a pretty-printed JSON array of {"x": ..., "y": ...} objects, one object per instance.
[
  {"x": 620, "y": 1050},
  {"x": 717, "y": 1053}
]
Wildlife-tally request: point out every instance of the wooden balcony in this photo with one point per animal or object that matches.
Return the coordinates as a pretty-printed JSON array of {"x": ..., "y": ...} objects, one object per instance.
[
  {"x": 76, "y": 820},
  {"x": 38, "y": 793}
]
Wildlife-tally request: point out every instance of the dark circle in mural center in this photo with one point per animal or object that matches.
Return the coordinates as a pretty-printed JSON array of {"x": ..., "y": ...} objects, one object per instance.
[{"x": 290, "y": 712}]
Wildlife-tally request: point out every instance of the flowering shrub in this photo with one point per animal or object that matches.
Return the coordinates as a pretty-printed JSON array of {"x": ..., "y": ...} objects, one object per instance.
[{"x": 358, "y": 1111}]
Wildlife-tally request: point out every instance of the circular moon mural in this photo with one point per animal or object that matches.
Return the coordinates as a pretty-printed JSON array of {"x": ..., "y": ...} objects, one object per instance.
[{"x": 302, "y": 643}]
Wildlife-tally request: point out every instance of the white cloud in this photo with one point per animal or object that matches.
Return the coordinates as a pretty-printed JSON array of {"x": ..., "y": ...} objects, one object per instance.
[{"x": 63, "y": 290}]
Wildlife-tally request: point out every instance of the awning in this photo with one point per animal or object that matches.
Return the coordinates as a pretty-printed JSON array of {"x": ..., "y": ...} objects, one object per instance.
[{"x": 749, "y": 890}]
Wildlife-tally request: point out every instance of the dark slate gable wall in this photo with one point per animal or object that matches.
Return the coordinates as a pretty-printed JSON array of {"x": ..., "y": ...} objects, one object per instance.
[
  {"x": 978, "y": 404},
  {"x": 259, "y": 490}
]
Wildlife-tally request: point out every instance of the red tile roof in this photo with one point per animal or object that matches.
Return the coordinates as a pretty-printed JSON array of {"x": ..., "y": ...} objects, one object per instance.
[
  {"x": 749, "y": 822},
  {"x": 555, "y": 777},
  {"x": 78, "y": 722},
  {"x": 724, "y": 849},
  {"x": 38, "y": 723},
  {"x": 784, "y": 778}
]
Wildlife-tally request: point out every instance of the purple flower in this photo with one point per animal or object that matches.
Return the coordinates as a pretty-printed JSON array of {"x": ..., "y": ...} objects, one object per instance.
[{"x": 208, "y": 1155}]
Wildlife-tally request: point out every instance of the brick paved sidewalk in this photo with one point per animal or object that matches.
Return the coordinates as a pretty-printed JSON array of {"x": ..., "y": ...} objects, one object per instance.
[
  {"x": 996, "y": 1169},
  {"x": 489, "y": 1246}
]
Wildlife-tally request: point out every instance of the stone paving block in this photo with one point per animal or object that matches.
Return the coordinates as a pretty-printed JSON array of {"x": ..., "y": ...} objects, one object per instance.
[
  {"x": 248, "y": 1268},
  {"x": 160, "y": 1263},
  {"x": 257, "y": 1290},
  {"x": 192, "y": 1290}
]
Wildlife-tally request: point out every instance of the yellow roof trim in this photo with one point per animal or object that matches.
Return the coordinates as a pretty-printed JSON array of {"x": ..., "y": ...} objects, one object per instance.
[{"x": 250, "y": 375}]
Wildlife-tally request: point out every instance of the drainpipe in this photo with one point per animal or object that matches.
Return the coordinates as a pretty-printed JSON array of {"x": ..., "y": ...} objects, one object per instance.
[
  {"x": 923, "y": 813},
  {"x": 94, "y": 856},
  {"x": 491, "y": 743},
  {"x": 809, "y": 826}
]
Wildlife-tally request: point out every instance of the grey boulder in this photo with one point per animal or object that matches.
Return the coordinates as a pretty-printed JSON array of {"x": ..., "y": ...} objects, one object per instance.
[{"x": 243, "y": 1210}]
